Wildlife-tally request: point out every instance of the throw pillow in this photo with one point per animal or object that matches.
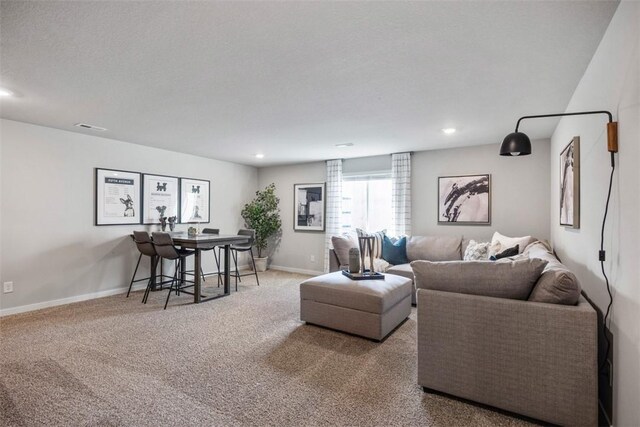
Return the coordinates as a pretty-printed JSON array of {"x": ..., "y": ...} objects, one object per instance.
[
  {"x": 513, "y": 280},
  {"x": 500, "y": 242},
  {"x": 341, "y": 246},
  {"x": 557, "y": 285},
  {"x": 395, "y": 252},
  {"x": 506, "y": 253},
  {"x": 376, "y": 247},
  {"x": 476, "y": 251}
]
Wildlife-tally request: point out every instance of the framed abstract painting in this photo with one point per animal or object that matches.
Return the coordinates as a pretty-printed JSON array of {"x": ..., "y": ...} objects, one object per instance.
[
  {"x": 309, "y": 207},
  {"x": 570, "y": 184},
  {"x": 464, "y": 200}
]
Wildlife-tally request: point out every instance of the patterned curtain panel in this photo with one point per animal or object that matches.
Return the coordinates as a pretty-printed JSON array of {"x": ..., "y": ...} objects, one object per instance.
[
  {"x": 401, "y": 193},
  {"x": 334, "y": 205}
]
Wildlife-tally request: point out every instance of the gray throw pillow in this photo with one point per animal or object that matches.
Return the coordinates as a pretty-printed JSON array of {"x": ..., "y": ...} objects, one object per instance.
[
  {"x": 557, "y": 284},
  {"x": 513, "y": 280},
  {"x": 476, "y": 251},
  {"x": 341, "y": 246}
]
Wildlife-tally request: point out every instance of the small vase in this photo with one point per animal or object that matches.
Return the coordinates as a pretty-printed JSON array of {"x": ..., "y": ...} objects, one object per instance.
[{"x": 354, "y": 260}]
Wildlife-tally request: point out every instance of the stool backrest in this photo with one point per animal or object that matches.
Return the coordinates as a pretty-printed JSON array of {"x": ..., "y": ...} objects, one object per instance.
[
  {"x": 250, "y": 233},
  {"x": 164, "y": 245},
  {"x": 210, "y": 231},
  {"x": 144, "y": 243}
]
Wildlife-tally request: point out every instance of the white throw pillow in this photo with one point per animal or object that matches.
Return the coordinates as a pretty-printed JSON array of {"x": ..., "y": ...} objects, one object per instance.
[
  {"x": 476, "y": 251},
  {"x": 500, "y": 243}
]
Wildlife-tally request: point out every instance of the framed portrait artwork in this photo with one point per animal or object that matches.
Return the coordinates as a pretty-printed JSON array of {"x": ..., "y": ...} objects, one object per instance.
[
  {"x": 160, "y": 197},
  {"x": 117, "y": 197},
  {"x": 464, "y": 200},
  {"x": 194, "y": 201},
  {"x": 309, "y": 207},
  {"x": 570, "y": 184}
]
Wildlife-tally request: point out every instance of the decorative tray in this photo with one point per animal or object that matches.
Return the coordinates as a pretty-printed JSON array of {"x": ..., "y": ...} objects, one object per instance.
[{"x": 367, "y": 275}]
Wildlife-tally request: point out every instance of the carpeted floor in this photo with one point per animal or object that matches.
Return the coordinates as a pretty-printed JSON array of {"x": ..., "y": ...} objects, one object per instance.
[{"x": 241, "y": 360}]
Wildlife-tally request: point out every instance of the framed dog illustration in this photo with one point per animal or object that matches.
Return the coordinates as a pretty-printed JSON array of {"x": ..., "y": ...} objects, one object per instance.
[
  {"x": 161, "y": 198},
  {"x": 194, "y": 201},
  {"x": 117, "y": 197}
]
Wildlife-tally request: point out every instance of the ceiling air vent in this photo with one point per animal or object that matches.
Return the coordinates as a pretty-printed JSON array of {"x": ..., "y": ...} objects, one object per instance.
[{"x": 86, "y": 126}]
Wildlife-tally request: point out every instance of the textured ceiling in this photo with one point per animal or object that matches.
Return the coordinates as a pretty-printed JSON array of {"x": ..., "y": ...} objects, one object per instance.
[{"x": 290, "y": 80}]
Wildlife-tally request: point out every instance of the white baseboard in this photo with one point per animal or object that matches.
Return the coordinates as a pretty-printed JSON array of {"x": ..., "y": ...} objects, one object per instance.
[
  {"x": 296, "y": 270},
  {"x": 68, "y": 300},
  {"x": 79, "y": 298}
]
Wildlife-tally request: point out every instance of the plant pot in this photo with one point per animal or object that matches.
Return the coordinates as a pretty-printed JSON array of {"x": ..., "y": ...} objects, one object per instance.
[{"x": 261, "y": 264}]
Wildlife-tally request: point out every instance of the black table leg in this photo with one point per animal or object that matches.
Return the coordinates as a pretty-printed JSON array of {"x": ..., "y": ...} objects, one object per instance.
[
  {"x": 227, "y": 277},
  {"x": 197, "y": 278},
  {"x": 153, "y": 268}
]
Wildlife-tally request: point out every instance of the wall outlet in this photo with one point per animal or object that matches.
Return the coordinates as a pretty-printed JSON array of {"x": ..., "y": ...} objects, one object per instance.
[
  {"x": 7, "y": 287},
  {"x": 312, "y": 258}
]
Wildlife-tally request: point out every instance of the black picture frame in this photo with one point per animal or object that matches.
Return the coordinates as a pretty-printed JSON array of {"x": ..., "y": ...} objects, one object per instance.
[
  {"x": 144, "y": 196},
  {"x": 477, "y": 183},
  {"x": 99, "y": 208},
  {"x": 297, "y": 206},
  {"x": 570, "y": 172},
  {"x": 194, "y": 182}
]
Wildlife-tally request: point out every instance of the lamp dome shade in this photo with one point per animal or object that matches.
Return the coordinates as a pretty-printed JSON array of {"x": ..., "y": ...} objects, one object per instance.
[{"x": 515, "y": 144}]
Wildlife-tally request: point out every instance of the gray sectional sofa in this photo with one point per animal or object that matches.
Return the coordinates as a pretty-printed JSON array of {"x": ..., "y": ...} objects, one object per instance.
[{"x": 530, "y": 349}]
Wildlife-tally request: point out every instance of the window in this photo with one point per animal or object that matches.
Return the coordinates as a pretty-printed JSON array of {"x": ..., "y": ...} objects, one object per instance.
[{"x": 366, "y": 202}]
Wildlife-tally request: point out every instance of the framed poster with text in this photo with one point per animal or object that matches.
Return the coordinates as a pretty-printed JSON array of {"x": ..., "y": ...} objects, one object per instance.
[
  {"x": 117, "y": 197},
  {"x": 160, "y": 197},
  {"x": 194, "y": 201}
]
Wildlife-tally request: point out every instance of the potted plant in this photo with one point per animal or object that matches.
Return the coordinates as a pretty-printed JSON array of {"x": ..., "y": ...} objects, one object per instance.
[{"x": 262, "y": 214}]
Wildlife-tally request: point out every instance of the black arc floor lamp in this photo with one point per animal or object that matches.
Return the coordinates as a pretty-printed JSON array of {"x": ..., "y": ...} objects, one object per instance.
[{"x": 519, "y": 144}]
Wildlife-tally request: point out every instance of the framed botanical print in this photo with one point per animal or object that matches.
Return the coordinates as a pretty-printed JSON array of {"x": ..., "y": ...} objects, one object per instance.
[
  {"x": 161, "y": 197},
  {"x": 117, "y": 197},
  {"x": 464, "y": 200},
  {"x": 570, "y": 184},
  {"x": 309, "y": 207},
  {"x": 195, "y": 202}
]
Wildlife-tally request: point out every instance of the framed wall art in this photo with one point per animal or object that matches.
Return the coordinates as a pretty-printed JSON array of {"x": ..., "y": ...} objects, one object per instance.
[
  {"x": 309, "y": 207},
  {"x": 195, "y": 202},
  {"x": 570, "y": 184},
  {"x": 161, "y": 197},
  {"x": 464, "y": 200},
  {"x": 117, "y": 197}
]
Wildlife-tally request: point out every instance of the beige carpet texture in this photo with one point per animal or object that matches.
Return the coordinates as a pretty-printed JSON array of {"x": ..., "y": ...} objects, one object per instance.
[{"x": 246, "y": 359}]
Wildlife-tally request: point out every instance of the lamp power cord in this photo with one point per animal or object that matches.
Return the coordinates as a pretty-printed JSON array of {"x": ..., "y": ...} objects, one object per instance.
[{"x": 602, "y": 258}]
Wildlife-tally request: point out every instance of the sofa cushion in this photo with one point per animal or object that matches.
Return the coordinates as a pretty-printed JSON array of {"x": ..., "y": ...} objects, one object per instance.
[
  {"x": 476, "y": 251},
  {"x": 403, "y": 270},
  {"x": 376, "y": 247},
  {"x": 557, "y": 284},
  {"x": 394, "y": 252},
  {"x": 341, "y": 246},
  {"x": 500, "y": 242},
  {"x": 513, "y": 280},
  {"x": 373, "y": 296},
  {"x": 434, "y": 248}
]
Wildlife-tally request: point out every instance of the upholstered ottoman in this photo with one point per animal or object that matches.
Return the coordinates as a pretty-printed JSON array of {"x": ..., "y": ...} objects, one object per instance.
[{"x": 369, "y": 308}]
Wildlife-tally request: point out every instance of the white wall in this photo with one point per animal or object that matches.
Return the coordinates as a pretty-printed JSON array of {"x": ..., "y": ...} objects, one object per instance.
[
  {"x": 296, "y": 247},
  {"x": 519, "y": 189},
  {"x": 520, "y": 195},
  {"x": 611, "y": 82},
  {"x": 51, "y": 249}
]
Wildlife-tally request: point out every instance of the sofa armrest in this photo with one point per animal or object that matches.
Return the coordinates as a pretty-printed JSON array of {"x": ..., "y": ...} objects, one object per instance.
[
  {"x": 535, "y": 359},
  {"x": 334, "y": 264}
]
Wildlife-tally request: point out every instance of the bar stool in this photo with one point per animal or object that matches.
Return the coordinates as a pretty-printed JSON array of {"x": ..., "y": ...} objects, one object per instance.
[
  {"x": 145, "y": 247},
  {"x": 165, "y": 249},
  {"x": 215, "y": 255},
  {"x": 247, "y": 247}
]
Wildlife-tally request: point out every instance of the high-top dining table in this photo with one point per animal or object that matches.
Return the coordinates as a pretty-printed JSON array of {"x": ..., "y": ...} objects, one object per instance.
[{"x": 198, "y": 243}]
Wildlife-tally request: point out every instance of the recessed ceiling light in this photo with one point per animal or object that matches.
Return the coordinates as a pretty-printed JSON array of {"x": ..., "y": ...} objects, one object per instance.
[
  {"x": 5, "y": 92},
  {"x": 449, "y": 131},
  {"x": 259, "y": 156},
  {"x": 347, "y": 144},
  {"x": 92, "y": 127}
]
